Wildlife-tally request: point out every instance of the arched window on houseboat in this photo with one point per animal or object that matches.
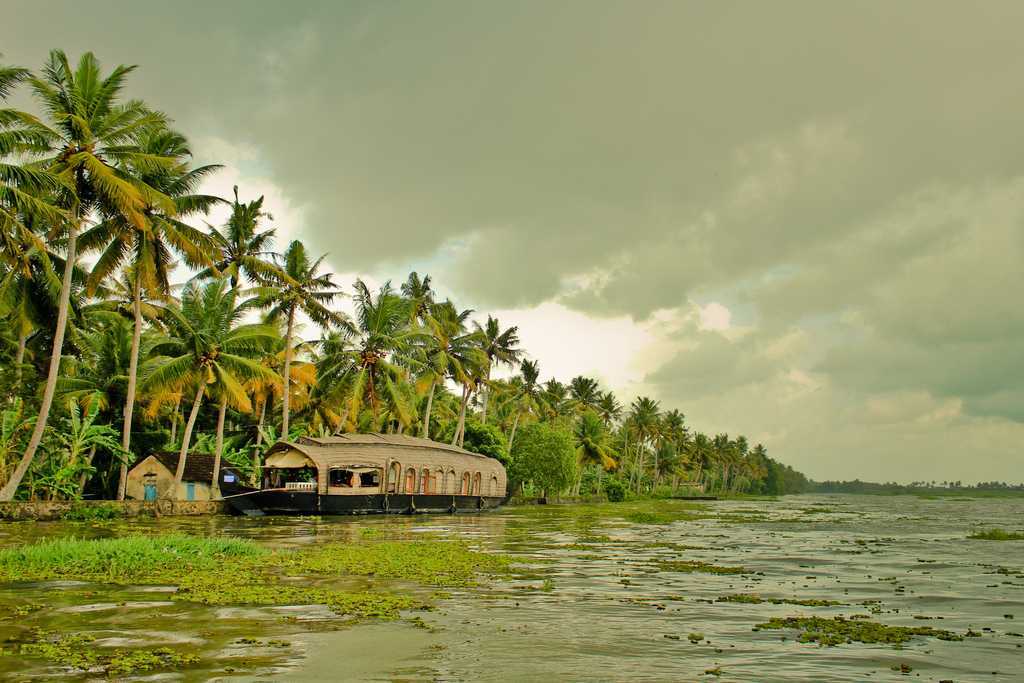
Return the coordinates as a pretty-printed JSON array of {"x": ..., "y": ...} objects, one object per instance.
[
  {"x": 394, "y": 477},
  {"x": 450, "y": 482},
  {"x": 425, "y": 480},
  {"x": 465, "y": 484},
  {"x": 476, "y": 484},
  {"x": 437, "y": 481},
  {"x": 410, "y": 480},
  {"x": 492, "y": 486}
]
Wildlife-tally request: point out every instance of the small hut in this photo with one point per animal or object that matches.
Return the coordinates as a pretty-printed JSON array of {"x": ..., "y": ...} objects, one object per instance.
[{"x": 152, "y": 477}]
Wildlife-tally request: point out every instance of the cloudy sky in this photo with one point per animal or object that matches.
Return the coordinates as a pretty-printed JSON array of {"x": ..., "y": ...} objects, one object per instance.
[{"x": 801, "y": 221}]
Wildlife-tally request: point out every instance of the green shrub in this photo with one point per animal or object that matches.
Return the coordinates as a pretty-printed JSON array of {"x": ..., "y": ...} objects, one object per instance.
[
  {"x": 615, "y": 490},
  {"x": 92, "y": 513}
]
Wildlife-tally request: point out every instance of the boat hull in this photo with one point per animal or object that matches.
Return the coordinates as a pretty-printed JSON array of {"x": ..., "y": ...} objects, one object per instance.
[{"x": 310, "y": 503}]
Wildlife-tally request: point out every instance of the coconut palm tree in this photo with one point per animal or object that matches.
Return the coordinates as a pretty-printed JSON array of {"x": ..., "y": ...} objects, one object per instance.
[
  {"x": 26, "y": 189},
  {"x": 28, "y": 296},
  {"x": 644, "y": 421},
  {"x": 420, "y": 295},
  {"x": 298, "y": 287},
  {"x": 609, "y": 408},
  {"x": 555, "y": 399},
  {"x": 242, "y": 249},
  {"x": 584, "y": 393},
  {"x": 207, "y": 349},
  {"x": 149, "y": 250},
  {"x": 593, "y": 446},
  {"x": 526, "y": 395},
  {"x": 90, "y": 138},
  {"x": 448, "y": 351},
  {"x": 501, "y": 348},
  {"x": 384, "y": 347}
]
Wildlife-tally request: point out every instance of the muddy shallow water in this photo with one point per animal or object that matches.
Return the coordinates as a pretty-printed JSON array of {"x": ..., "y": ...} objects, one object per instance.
[{"x": 597, "y": 597}]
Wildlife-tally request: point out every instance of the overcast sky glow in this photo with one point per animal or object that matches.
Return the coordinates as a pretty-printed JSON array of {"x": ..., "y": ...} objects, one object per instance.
[{"x": 801, "y": 221}]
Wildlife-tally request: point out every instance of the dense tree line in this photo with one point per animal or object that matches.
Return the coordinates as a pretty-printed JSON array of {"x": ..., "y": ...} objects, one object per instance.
[
  {"x": 858, "y": 486},
  {"x": 104, "y": 364}
]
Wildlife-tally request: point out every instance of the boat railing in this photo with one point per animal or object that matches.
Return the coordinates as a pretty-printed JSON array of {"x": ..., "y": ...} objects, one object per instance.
[{"x": 300, "y": 486}]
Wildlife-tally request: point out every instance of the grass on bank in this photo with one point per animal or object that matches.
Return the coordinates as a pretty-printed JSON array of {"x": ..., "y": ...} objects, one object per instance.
[
  {"x": 996, "y": 535},
  {"x": 132, "y": 558}
]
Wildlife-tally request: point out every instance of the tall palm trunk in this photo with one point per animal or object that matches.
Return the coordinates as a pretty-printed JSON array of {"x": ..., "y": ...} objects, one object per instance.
[
  {"x": 487, "y": 396},
  {"x": 286, "y": 393},
  {"x": 219, "y": 448},
  {"x": 174, "y": 419},
  {"x": 187, "y": 436},
  {"x": 425, "y": 432},
  {"x": 462, "y": 418},
  {"x": 462, "y": 415},
  {"x": 64, "y": 303},
  {"x": 259, "y": 423},
  {"x": 133, "y": 373},
  {"x": 512, "y": 434}
]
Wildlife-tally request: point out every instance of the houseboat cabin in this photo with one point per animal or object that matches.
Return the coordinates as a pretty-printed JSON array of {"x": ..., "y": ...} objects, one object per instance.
[{"x": 368, "y": 473}]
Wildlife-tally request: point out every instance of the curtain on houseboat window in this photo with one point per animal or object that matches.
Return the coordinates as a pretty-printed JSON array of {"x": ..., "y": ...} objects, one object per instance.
[{"x": 340, "y": 477}]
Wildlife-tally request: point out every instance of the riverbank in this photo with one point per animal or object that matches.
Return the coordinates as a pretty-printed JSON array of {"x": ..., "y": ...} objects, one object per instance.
[{"x": 90, "y": 510}]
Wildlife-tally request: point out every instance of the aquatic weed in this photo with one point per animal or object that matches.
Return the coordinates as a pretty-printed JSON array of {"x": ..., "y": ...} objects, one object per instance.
[
  {"x": 996, "y": 535},
  {"x": 840, "y": 630},
  {"x": 753, "y": 599},
  {"x": 690, "y": 566}
]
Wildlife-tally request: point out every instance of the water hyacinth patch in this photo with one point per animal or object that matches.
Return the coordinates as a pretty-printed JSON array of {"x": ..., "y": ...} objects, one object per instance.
[{"x": 840, "y": 631}]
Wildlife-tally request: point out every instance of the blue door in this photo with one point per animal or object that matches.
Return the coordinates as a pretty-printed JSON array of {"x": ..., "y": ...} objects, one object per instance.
[
  {"x": 150, "y": 492},
  {"x": 190, "y": 491}
]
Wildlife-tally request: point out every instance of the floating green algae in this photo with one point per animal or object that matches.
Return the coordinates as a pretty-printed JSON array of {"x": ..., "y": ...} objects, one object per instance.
[
  {"x": 77, "y": 651},
  {"x": 659, "y": 518},
  {"x": 753, "y": 599},
  {"x": 996, "y": 535},
  {"x": 691, "y": 566},
  {"x": 228, "y": 571},
  {"x": 840, "y": 630},
  {"x": 428, "y": 561}
]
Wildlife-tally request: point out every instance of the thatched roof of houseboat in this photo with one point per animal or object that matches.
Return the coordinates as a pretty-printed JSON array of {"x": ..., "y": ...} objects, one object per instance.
[
  {"x": 378, "y": 448},
  {"x": 375, "y": 439}
]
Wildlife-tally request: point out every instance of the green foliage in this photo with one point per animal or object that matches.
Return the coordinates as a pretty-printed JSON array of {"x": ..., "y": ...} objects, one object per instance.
[
  {"x": 15, "y": 427},
  {"x": 615, "y": 490},
  {"x": 484, "y": 439},
  {"x": 545, "y": 456},
  {"x": 83, "y": 512}
]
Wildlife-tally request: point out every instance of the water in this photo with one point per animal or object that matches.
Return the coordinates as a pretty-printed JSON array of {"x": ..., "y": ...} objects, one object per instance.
[{"x": 591, "y": 602}]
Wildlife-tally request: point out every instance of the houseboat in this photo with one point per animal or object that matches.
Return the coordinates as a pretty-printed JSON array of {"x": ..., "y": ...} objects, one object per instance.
[{"x": 367, "y": 474}]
